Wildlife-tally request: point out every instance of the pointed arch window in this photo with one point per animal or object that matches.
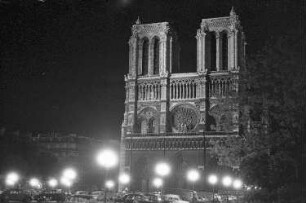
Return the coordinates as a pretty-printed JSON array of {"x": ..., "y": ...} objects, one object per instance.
[
  {"x": 156, "y": 56},
  {"x": 210, "y": 50},
  {"x": 144, "y": 127},
  {"x": 151, "y": 125},
  {"x": 145, "y": 56},
  {"x": 224, "y": 38}
]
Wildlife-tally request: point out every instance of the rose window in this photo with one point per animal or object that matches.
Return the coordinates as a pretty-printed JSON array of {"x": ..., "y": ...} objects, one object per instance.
[{"x": 184, "y": 118}]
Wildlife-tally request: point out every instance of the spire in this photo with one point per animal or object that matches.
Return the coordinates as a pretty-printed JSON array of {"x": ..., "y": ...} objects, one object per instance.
[
  {"x": 138, "y": 21},
  {"x": 232, "y": 11}
]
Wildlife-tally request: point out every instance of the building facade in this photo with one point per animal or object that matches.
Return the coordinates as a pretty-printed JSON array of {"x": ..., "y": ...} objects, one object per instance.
[{"x": 172, "y": 116}]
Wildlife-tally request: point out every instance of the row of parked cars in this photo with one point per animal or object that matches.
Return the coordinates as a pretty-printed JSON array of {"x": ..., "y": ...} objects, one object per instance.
[
  {"x": 86, "y": 197},
  {"x": 26, "y": 196},
  {"x": 149, "y": 198}
]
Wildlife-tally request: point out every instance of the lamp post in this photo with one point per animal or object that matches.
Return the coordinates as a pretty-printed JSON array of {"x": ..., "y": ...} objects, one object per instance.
[
  {"x": 227, "y": 181},
  {"x": 237, "y": 184},
  {"x": 158, "y": 182},
  {"x": 66, "y": 182},
  {"x": 107, "y": 158},
  {"x": 162, "y": 169},
  {"x": 68, "y": 177},
  {"x": 193, "y": 175},
  {"x": 124, "y": 179},
  {"x": 213, "y": 179},
  {"x": 109, "y": 184}
]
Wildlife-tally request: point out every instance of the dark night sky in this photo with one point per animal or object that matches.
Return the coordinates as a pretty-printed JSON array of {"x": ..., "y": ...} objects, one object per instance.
[{"x": 63, "y": 61}]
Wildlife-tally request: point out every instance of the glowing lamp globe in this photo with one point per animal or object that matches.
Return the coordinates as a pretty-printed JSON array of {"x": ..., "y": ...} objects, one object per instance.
[
  {"x": 237, "y": 184},
  {"x": 193, "y": 175},
  {"x": 124, "y": 178},
  {"x": 52, "y": 183},
  {"x": 34, "y": 182},
  {"x": 157, "y": 182},
  {"x": 227, "y": 181},
  {"x": 213, "y": 179},
  {"x": 107, "y": 158},
  {"x": 66, "y": 182},
  {"x": 69, "y": 173},
  {"x": 110, "y": 184},
  {"x": 162, "y": 169},
  {"x": 11, "y": 179}
]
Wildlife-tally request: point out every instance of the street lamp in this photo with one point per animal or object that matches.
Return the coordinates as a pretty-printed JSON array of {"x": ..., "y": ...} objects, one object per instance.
[
  {"x": 52, "y": 182},
  {"x": 109, "y": 184},
  {"x": 70, "y": 173},
  {"x": 193, "y": 176},
  {"x": 11, "y": 179},
  {"x": 107, "y": 158},
  {"x": 158, "y": 182},
  {"x": 66, "y": 182},
  {"x": 227, "y": 181},
  {"x": 162, "y": 169},
  {"x": 213, "y": 179},
  {"x": 124, "y": 178},
  {"x": 35, "y": 183},
  {"x": 237, "y": 184}
]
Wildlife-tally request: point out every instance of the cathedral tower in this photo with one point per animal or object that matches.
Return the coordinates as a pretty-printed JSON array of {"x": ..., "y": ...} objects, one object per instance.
[{"x": 173, "y": 116}]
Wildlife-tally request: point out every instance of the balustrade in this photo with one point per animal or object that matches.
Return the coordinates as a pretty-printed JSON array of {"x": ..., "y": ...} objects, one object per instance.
[
  {"x": 222, "y": 87},
  {"x": 149, "y": 91},
  {"x": 183, "y": 89}
]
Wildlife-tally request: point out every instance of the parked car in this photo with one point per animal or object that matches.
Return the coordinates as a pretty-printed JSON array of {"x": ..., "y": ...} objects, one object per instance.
[
  {"x": 98, "y": 195},
  {"x": 81, "y": 196},
  {"x": 151, "y": 198},
  {"x": 81, "y": 193},
  {"x": 15, "y": 195},
  {"x": 171, "y": 198},
  {"x": 120, "y": 197},
  {"x": 134, "y": 198},
  {"x": 50, "y": 196}
]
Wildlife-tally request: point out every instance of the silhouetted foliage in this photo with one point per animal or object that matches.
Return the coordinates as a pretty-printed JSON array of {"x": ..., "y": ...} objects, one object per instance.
[{"x": 270, "y": 149}]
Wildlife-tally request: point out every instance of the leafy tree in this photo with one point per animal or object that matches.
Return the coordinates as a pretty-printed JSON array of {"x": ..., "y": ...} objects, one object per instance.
[{"x": 270, "y": 149}]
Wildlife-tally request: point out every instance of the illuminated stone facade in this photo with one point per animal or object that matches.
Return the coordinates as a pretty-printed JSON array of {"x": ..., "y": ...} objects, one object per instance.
[{"x": 174, "y": 116}]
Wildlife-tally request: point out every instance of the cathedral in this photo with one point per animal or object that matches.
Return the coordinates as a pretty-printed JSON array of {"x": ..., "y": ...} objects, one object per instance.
[{"x": 171, "y": 116}]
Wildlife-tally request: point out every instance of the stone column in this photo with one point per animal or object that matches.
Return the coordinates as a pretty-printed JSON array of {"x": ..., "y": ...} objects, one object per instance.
[
  {"x": 151, "y": 57},
  {"x": 164, "y": 104},
  {"x": 203, "y": 64},
  {"x": 229, "y": 53},
  {"x": 163, "y": 54},
  {"x": 171, "y": 54},
  {"x": 236, "y": 49},
  {"x": 133, "y": 56},
  {"x": 139, "y": 54},
  {"x": 199, "y": 50},
  {"x": 218, "y": 52}
]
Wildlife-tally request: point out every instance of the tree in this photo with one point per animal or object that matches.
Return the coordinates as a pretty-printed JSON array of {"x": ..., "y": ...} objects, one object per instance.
[{"x": 270, "y": 149}]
